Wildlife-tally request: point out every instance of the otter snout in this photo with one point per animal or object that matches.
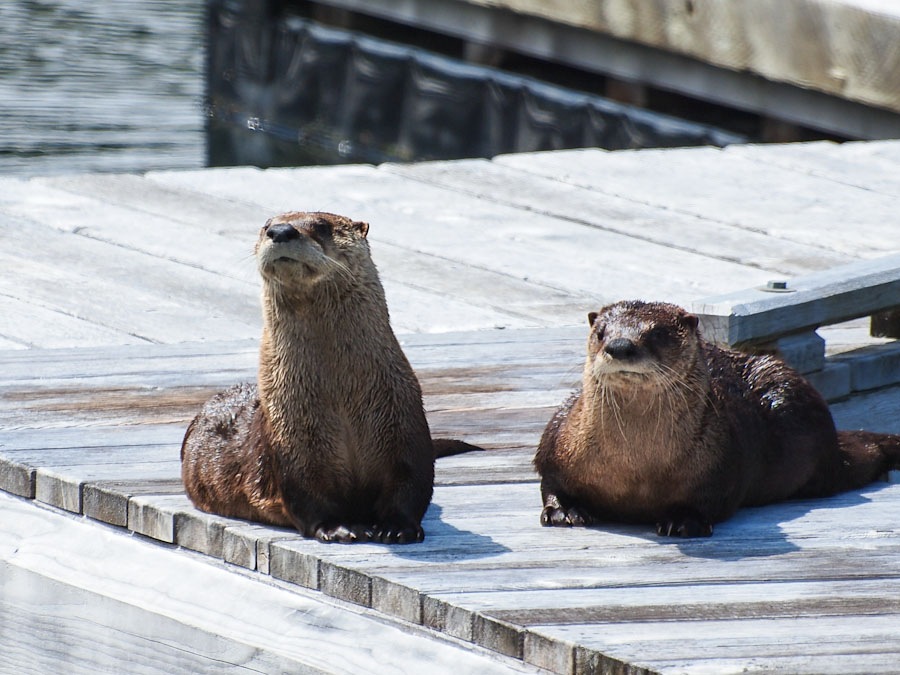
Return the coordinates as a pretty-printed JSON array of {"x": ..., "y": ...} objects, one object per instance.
[
  {"x": 621, "y": 348},
  {"x": 282, "y": 232}
]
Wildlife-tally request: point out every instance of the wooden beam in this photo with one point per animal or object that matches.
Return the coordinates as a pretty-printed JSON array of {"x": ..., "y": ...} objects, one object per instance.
[{"x": 757, "y": 315}]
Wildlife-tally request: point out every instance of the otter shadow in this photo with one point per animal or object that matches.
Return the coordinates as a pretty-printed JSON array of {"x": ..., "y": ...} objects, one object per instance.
[
  {"x": 772, "y": 530},
  {"x": 446, "y": 543}
]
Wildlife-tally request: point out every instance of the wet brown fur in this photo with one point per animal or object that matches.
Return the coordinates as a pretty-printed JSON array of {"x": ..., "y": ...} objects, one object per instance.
[
  {"x": 672, "y": 430},
  {"x": 333, "y": 440}
]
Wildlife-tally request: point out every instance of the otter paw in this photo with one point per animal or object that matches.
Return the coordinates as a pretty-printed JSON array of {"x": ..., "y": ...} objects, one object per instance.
[
  {"x": 686, "y": 526},
  {"x": 557, "y": 516},
  {"x": 399, "y": 533},
  {"x": 344, "y": 534}
]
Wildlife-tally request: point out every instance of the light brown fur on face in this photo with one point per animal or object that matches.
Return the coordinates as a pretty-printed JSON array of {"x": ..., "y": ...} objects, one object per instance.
[
  {"x": 295, "y": 264},
  {"x": 667, "y": 428},
  {"x": 333, "y": 440}
]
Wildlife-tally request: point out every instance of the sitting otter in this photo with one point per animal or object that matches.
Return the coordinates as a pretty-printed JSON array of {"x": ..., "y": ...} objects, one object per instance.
[
  {"x": 672, "y": 430},
  {"x": 334, "y": 440}
]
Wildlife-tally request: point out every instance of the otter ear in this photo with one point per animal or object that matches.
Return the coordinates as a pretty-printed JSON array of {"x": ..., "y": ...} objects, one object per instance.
[
  {"x": 691, "y": 321},
  {"x": 592, "y": 317},
  {"x": 361, "y": 227}
]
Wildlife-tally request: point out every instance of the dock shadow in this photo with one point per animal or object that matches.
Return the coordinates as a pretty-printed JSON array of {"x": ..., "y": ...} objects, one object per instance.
[
  {"x": 446, "y": 543},
  {"x": 763, "y": 531}
]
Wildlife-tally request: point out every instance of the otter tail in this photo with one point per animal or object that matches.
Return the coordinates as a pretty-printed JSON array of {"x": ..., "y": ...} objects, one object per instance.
[
  {"x": 866, "y": 456},
  {"x": 445, "y": 447}
]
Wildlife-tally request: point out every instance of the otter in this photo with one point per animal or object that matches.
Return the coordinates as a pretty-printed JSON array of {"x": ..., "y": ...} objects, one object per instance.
[
  {"x": 332, "y": 440},
  {"x": 670, "y": 429}
]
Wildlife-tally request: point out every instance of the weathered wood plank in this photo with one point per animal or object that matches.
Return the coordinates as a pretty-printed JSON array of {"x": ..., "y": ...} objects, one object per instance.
[
  {"x": 97, "y": 431},
  {"x": 202, "y": 248},
  {"x": 89, "y": 438},
  {"x": 79, "y": 276},
  {"x": 857, "y": 164},
  {"x": 411, "y": 278},
  {"x": 400, "y": 264},
  {"x": 97, "y": 601},
  {"x": 889, "y": 149},
  {"x": 836, "y": 295},
  {"x": 722, "y": 186},
  {"x": 118, "y": 359},
  {"x": 458, "y": 232},
  {"x": 61, "y": 486},
  {"x": 860, "y": 645},
  {"x": 790, "y": 543},
  {"x": 849, "y": 336},
  {"x": 439, "y": 355},
  {"x": 107, "y": 501},
  {"x": 547, "y": 195},
  {"x": 127, "y": 227},
  {"x": 688, "y": 602},
  {"x": 875, "y": 411},
  {"x": 120, "y": 405},
  {"x": 23, "y": 320}
]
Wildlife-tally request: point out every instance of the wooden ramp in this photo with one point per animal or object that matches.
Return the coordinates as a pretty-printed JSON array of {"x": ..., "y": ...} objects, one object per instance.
[
  {"x": 806, "y": 586},
  {"x": 127, "y": 300}
]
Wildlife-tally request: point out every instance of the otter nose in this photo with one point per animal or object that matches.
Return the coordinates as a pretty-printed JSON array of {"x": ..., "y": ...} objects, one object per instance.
[
  {"x": 282, "y": 232},
  {"x": 621, "y": 348}
]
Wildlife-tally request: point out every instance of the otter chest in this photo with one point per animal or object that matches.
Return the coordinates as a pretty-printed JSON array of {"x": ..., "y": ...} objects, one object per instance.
[{"x": 630, "y": 472}]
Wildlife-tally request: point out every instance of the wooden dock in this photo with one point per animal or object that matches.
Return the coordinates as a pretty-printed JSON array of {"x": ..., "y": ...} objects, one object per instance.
[{"x": 128, "y": 299}]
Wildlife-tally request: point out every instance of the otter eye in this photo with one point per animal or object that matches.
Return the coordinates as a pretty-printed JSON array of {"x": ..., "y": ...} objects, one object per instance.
[
  {"x": 598, "y": 332},
  {"x": 660, "y": 336},
  {"x": 322, "y": 229}
]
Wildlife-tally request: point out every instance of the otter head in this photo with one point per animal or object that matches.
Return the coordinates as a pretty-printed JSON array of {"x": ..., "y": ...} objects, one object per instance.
[
  {"x": 297, "y": 250},
  {"x": 636, "y": 343}
]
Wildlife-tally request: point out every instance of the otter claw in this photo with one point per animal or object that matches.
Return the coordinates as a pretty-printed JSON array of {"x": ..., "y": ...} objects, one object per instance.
[
  {"x": 399, "y": 534},
  {"x": 687, "y": 527},
  {"x": 344, "y": 534},
  {"x": 557, "y": 516}
]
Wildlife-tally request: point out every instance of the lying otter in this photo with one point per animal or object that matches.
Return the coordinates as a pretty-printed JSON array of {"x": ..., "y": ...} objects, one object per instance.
[
  {"x": 672, "y": 430},
  {"x": 333, "y": 440}
]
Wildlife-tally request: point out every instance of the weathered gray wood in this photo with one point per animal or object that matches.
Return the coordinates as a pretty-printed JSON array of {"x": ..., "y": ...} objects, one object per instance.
[
  {"x": 393, "y": 209},
  {"x": 97, "y": 431},
  {"x": 840, "y": 294},
  {"x": 9, "y": 344},
  {"x": 805, "y": 352},
  {"x": 62, "y": 486},
  {"x": 833, "y": 381},
  {"x": 154, "y": 516},
  {"x": 23, "y": 320},
  {"x": 876, "y": 410},
  {"x": 191, "y": 358},
  {"x": 134, "y": 229},
  {"x": 107, "y": 501},
  {"x": 671, "y": 602},
  {"x": 872, "y": 368},
  {"x": 583, "y": 204},
  {"x": 88, "y": 438},
  {"x": 78, "y": 595},
  {"x": 781, "y": 203},
  {"x": 80, "y": 276},
  {"x": 17, "y": 478},
  {"x": 848, "y": 336},
  {"x": 247, "y": 545},
  {"x": 842, "y": 646},
  {"x": 207, "y": 218},
  {"x": 857, "y": 164},
  {"x": 202, "y": 532},
  {"x": 414, "y": 276},
  {"x": 542, "y": 348}
]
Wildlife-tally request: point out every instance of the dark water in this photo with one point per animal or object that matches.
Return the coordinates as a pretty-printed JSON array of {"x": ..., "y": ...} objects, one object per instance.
[{"x": 103, "y": 85}]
